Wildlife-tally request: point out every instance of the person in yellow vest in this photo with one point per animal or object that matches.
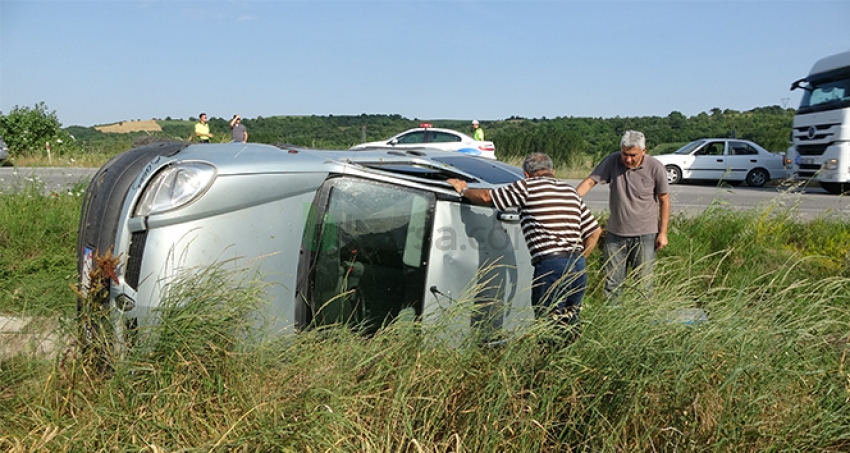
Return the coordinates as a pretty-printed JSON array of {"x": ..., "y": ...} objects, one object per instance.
[
  {"x": 479, "y": 133},
  {"x": 202, "y": 129}
]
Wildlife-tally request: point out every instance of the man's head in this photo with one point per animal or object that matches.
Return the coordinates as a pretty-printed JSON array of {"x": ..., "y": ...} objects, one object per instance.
[
  {"x": 202, "y": 118},
  {"x": 237, "y": 118},
  {"x": 475, "y": 124},
  {"x": 538, "y": 164},
  {"x": 632, "y": 148}
]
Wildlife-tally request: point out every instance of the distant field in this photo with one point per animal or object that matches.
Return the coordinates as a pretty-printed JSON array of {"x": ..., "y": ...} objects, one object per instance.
[{"x": 131, "y": 126}]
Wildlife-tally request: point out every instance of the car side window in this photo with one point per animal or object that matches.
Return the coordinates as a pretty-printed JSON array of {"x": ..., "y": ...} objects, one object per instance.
[
  {"x": 413, "y": 137},
  {"x": 741, "y": 149},
  {"x": 368, "y": 252},
  {"x": 442, "y": 137},
  {"x": 711, "y": 149}
]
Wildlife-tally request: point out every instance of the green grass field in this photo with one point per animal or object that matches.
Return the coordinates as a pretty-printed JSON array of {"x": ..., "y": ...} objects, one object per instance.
[{"x": 767, "y": 372}]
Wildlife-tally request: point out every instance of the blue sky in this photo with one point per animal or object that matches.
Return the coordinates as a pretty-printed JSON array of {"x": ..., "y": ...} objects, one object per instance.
[{"x": 101, "y": 61}]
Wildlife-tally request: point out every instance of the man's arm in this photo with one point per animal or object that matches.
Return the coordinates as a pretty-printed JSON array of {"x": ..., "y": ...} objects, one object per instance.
[
  {"x": 590, "y": 242},
  {"x": 663, "y": 220},
  {"x": 245, "y": 136},
  {"x": 585, "y": 187},
  {"x": 477, "y": 196}
]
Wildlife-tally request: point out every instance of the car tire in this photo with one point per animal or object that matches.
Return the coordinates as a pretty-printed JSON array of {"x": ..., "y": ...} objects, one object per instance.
[
  {"x": 102, "y": 204},
  {"x": 674, "y": 174},
  {"x": 835, "y": 188},
  {"x": 757, "y": 177}
]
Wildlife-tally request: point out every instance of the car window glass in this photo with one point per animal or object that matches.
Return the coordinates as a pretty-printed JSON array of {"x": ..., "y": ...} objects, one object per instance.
[
  {"x": 689, "y": 148},
  {"x": 442, "y": 137},
  {"x": 413, "y": 137},
  {"x": 370, "y": 252},
  {"x": 711, "y": 149},
  {"x": 741, "y": 149},
  {"x": 491, "y": 171}
]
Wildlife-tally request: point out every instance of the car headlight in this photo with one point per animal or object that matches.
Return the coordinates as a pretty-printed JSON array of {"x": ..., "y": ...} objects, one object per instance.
[
  {"x": 831, "y": 164},
  {"x": 175, "y": 186}
]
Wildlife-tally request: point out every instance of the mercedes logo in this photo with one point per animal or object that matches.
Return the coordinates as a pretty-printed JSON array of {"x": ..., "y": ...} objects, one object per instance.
[{"x": 812, "y": 132}]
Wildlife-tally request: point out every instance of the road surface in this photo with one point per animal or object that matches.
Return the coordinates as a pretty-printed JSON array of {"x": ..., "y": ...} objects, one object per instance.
[{"x": 807, "y": 203}]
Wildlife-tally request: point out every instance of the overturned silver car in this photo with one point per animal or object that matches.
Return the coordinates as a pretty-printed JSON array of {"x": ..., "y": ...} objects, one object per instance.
[{"x": 353, "y": 237}]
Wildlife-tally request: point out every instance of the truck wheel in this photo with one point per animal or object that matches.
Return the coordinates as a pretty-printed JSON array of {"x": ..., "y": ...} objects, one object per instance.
[
  {"x": 674, "y": 174},
  {"x": 835, "y": 188},
  {"x": 757, "y": 177}
]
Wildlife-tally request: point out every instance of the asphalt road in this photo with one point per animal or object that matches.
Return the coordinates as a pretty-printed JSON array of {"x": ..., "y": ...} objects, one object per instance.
[
  {"x": 50, "y": 179},
  {"x": 806, "y": 203}
]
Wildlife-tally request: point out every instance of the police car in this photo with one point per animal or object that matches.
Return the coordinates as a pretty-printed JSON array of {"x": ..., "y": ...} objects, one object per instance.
[{"x": 426, "y": 136}]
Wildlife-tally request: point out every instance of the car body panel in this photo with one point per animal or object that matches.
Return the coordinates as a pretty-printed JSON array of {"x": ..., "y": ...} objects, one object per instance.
[
  {"x": 434, "y": 138},
  {"x": 311, "y": 224},
  {"x": 724, "y": 159},
  {"x": 4, "y": 150}
]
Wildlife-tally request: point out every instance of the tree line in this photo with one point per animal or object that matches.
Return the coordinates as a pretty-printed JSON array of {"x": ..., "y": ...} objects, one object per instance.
[{"x": 564, "y": 138}]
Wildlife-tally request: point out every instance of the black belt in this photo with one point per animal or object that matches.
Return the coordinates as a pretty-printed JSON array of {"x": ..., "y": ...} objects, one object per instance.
[{"x": 539, "y": 259}]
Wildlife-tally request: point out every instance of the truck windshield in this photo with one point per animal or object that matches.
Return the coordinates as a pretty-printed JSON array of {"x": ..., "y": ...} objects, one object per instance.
[{"x": 827, "y": 94}]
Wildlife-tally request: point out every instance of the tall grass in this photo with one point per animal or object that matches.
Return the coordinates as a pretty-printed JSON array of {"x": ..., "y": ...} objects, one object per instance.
[
  {"x": 38, "y": 238},
  {"x": 766, "y": 372}
]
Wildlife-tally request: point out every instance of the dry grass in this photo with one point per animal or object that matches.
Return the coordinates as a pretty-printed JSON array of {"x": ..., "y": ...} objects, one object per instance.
[{"x": 131, "y": 126}]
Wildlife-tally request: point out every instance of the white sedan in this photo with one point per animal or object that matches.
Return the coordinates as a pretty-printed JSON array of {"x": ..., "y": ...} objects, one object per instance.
[
  {"x": 426, "y": 136},
  {"x": 726, "y": 159}
]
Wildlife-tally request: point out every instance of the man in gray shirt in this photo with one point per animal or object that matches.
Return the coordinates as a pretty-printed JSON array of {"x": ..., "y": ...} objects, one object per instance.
[
  {"x": 640, "y": 212},
  {"x": 238, "y": 132}
]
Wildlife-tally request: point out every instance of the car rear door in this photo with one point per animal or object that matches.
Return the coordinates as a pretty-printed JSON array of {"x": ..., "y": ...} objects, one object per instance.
[{"x": 741, "y": 158}]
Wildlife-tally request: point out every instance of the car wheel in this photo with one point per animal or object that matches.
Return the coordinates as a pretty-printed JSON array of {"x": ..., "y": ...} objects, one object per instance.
[
  {"x": 835, "y": 188},
  {"x": 757, "y": 177},
  {"x": 674, "y": 174},
  {"x": 100, "y": 331}
]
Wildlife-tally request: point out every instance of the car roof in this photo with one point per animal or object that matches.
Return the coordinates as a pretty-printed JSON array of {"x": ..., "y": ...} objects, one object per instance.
[
  {"x": 424, "y": 165},
  {"x": 438, "y": 129}
]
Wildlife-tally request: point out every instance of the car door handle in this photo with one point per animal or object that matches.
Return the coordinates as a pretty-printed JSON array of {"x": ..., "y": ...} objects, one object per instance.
[
  {"x": 720, "y": 160},
  {"x": 510, "y": 217}
]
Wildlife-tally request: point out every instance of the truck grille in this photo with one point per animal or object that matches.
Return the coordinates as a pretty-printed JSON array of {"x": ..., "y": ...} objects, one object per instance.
[
  {"x": 134, "y": 260},
  {"x": 821, "y": 132},
  {"x": 811, "y": 150}
]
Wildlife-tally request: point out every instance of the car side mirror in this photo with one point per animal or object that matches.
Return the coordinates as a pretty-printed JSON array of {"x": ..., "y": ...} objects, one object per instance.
[{"x": 394, "y": 141}]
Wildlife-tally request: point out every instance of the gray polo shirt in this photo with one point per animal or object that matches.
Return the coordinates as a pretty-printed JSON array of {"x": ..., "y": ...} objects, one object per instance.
[{"x": 634, "y": 194}]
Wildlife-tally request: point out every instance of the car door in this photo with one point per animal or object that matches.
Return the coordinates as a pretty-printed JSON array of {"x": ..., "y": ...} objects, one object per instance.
[
  {"x": 413, "y": 139},
  {"x": 741, "y": 158},
  {"x": 365, "y": 254},
  {"x": 443, "y": 140},
  {"x": 709, "y": 161}
]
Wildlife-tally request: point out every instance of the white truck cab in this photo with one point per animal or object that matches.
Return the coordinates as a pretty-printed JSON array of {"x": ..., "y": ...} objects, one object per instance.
[{"x": 820, "y": 149}]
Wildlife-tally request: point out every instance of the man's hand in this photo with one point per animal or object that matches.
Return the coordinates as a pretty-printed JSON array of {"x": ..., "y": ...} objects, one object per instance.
[
  {"x": 660, "y": 241},
  {"x": 457, "y": 184}
]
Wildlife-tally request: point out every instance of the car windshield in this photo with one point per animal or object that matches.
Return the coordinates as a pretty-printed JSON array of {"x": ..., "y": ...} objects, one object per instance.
[
  {"x": 827, "y": 94},
  {"x": 689, "y": 148},
  {"x": 493, "y": 172}
]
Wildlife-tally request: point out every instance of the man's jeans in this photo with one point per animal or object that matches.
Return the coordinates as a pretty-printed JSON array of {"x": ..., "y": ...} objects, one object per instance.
[
  {"x": 559, "y": 285},
  {"x": 621, "y": 253}
]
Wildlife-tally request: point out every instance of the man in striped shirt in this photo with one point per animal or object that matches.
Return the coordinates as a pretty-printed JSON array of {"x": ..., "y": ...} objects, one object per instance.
[{"x": 559, "y": 229}]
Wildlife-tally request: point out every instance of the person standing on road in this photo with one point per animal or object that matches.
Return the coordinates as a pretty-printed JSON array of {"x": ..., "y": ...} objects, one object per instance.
[
  {"x": 202, "y": 129},
  {"x": 238, "y": 133},
  {"x": 560, "y": 232},
  {"x": 639, "y": 203},
  {"x": 479, "y": 132}
]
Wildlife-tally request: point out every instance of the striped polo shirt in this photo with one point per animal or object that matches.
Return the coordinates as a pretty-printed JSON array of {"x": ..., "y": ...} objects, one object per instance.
[{"x": 553, "y": 216}]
